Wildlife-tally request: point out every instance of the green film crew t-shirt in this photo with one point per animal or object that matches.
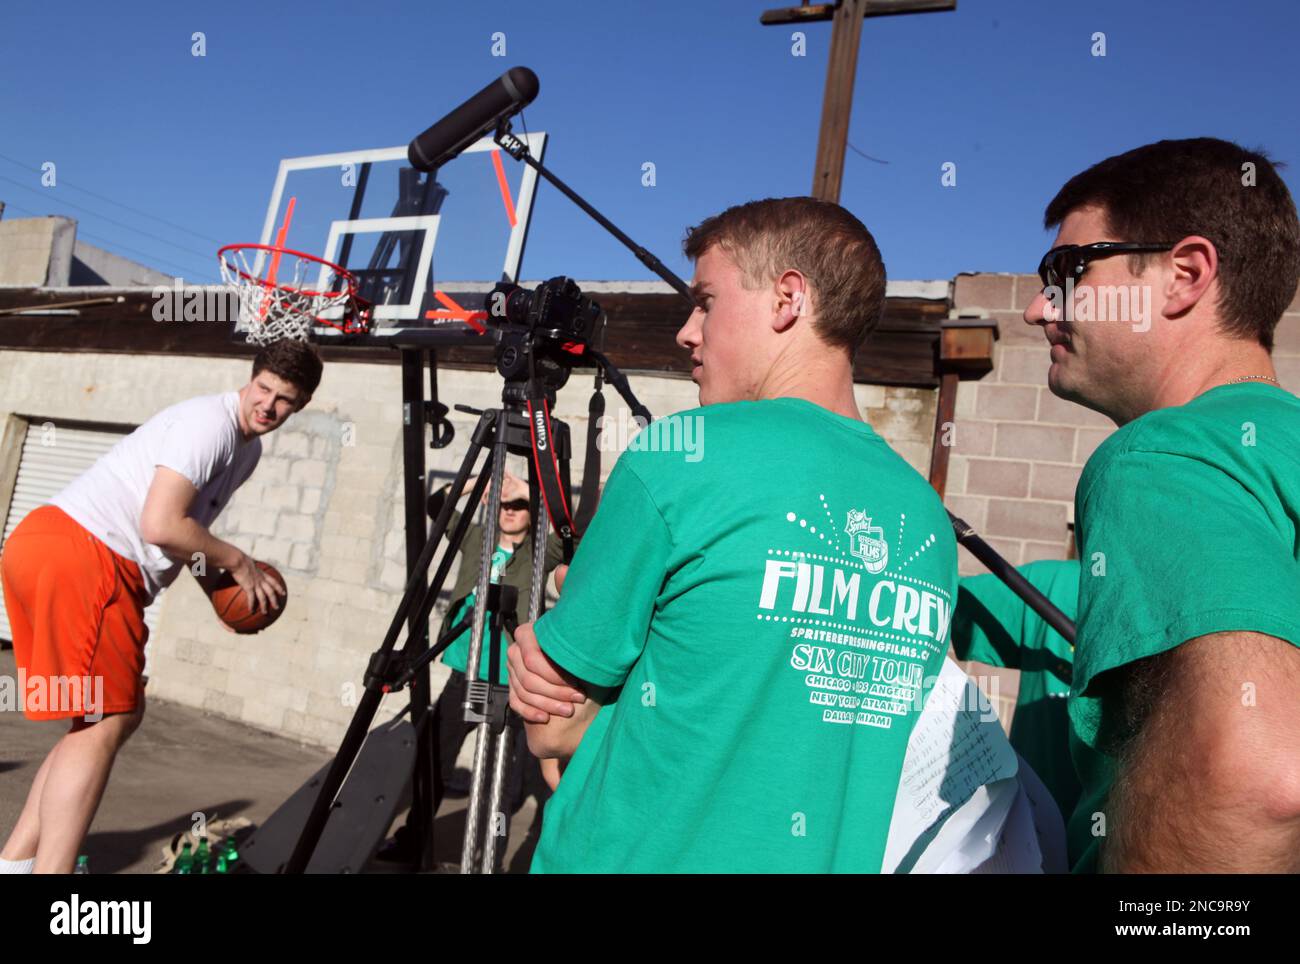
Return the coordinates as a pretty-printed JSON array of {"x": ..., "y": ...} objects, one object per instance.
[
  {"x": 767, "y": 604},
  {"x": 1187, "y": 526}
]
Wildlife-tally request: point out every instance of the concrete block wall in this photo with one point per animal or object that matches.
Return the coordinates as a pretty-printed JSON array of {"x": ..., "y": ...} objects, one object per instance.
[
  {"x": 1018, "y": 449},
  {"x": 904, "y": 417}
]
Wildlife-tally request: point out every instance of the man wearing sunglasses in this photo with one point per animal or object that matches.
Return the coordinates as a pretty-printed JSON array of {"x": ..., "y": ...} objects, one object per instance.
[{"x": 1185, "y": 704}]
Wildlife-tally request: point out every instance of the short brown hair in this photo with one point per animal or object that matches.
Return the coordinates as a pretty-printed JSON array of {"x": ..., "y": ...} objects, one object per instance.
[
  {"x": 1166, "y": 191},
  {"x": 821, "y": 240},
  {"x": 294, "y": 361}
]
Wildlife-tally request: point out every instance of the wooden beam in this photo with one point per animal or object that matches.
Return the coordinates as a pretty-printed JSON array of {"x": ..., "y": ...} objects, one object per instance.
[
  {"x": 837, "y": 100},
  {"x": 965, "y": 352},
  {"x": 944, "y": 415},
  {"x": 640, "y": 335},
  {"x": 820, "y": 12}
]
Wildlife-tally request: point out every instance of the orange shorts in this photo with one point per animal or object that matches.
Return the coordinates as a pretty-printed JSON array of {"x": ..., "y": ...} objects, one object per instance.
[{"x": 76, "y": 609}]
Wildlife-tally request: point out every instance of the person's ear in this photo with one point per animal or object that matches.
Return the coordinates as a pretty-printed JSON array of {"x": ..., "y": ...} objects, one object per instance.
[
  {"x": 1194, "y": 266},
  {"x": 791, "y": 299}
]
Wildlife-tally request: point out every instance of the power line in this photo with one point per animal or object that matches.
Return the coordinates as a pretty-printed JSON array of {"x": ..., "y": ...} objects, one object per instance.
[
  {"x": 125, "y": 207},
  {"x": 104, "y": 217},
  {"x": 865, "y": 154}
]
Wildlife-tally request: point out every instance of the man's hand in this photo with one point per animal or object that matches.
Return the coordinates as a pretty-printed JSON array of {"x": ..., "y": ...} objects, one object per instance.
[
  {"x": 512, "y": 488},
  {"x": 537, "y": 688},
  {"x": 259, "y": 587}
]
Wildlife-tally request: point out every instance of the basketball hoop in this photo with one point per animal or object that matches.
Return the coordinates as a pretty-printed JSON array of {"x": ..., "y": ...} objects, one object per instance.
[{"x": 271, "y": 309}]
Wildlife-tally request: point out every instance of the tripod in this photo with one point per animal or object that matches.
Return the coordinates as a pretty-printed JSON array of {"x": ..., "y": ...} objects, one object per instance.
[{"x": 503, "y": 431}]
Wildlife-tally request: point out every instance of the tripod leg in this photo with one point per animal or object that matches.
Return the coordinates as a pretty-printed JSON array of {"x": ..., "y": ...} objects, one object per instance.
[
  {"x": 418, "y": 597},
  {"x": 417, "y": 529},
  {"x": 495, "y": 810},
  {"x": 501, "y": 759},
  {"x": 500, "y": 450}
]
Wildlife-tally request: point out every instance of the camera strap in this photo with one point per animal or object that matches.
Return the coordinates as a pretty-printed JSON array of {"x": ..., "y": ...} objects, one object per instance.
[
  {"x": 548, "y": 471},
  {"x": 589, "y": 497}
]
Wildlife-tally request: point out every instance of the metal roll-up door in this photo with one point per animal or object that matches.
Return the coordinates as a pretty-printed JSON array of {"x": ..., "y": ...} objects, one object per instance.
[{"x": 53, "y": 455}]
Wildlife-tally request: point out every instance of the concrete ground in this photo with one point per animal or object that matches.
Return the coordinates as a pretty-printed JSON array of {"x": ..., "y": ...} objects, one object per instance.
[{"x": 180, "y": 761}]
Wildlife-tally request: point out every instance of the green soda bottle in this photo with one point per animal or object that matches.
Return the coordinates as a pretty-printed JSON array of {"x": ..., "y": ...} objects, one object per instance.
[
  {"x": 185, "y": 862},
  {"x": 83, "y": 865},
  {"x": 232, "y": 854},
  {"x": 203, "y": 859}
]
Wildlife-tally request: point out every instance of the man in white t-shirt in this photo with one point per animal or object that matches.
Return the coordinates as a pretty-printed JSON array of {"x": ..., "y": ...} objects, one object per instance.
[{"x": 78, "y": 573}]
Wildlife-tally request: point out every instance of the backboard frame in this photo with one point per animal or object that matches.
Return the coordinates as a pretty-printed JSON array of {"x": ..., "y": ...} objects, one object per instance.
[{"x": 398, "y": 319}]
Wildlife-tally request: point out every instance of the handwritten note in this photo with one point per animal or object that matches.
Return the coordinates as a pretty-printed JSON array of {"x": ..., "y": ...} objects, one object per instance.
[{"x": 956, "y": 750}]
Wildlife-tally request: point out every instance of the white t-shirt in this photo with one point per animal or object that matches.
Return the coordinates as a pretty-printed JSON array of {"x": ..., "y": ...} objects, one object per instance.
[{"x": 200, "y": 438}]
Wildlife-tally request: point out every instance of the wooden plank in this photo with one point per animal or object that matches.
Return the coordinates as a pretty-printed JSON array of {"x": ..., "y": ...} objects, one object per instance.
[
  {"x": 945, "y": 413},
  {"x": 810, "y": 13},
  {"x": 641, "y": 335},
  {"x": 837, "y": 100}
]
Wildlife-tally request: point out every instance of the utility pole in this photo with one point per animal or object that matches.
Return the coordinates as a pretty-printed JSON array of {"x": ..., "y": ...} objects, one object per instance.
[{"x": 841, "y": 68}]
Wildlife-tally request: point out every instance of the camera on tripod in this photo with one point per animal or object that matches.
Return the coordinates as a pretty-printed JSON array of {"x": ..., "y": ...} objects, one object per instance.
[{"x": 554, "y": 325}]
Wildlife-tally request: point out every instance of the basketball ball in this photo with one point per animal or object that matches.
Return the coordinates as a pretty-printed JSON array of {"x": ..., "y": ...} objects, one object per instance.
[{"x": 231, "y": 604}]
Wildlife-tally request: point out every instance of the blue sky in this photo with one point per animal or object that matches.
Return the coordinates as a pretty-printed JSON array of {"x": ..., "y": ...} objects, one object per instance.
[{"x": 1005, "y": 89}]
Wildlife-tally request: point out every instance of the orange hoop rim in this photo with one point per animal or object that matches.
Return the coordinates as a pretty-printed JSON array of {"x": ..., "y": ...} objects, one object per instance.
[{"x": 341, "y": 272}]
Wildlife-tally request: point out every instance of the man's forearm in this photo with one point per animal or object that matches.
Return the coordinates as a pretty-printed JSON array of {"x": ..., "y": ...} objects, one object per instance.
[
  {"x": 1204, "y": 830},
  {"x": 185, "y": 537},
  {"x": 1205, "y": 784}
]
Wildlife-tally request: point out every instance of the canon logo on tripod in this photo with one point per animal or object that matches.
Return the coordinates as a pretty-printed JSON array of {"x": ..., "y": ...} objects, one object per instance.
[{"x": 539, "y": 420}]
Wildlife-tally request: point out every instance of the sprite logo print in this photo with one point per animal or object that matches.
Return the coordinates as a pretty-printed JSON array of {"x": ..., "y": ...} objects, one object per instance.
[{"x": 867, "y": 542}]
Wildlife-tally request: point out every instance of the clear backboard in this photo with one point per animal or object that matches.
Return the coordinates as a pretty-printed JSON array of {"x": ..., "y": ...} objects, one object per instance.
[{"x": 425, "y": 248}]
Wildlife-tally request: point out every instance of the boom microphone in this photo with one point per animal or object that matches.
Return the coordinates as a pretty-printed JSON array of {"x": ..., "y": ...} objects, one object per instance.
[{"x": 504, "y": 97}]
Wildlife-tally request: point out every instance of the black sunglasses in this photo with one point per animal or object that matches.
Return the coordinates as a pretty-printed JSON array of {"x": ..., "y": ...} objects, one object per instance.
[
  {"x": 1069, "y": 261},
  {"x": 518, "y": 505}
]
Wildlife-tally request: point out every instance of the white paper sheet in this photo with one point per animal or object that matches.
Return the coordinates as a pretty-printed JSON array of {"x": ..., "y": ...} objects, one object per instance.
[
  {"x": 958, "y": 785},
  {"x": 1017, "y": 850}
]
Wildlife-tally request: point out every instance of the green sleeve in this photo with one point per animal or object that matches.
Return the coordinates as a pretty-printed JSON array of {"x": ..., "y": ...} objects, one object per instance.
[
  {"x": 599, "y": 627},
  {"x": 452, "y": 523},
  {"x": 1174, "y": 548},
  {"x": 473, "y": 541},
  {"x": 986, "y": 624}
]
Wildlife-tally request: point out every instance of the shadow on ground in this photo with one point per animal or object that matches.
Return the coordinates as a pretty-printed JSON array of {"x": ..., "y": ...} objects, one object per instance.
[
  {"x": 180, "y": 762},
  {"x": 183, "y": 762}
]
